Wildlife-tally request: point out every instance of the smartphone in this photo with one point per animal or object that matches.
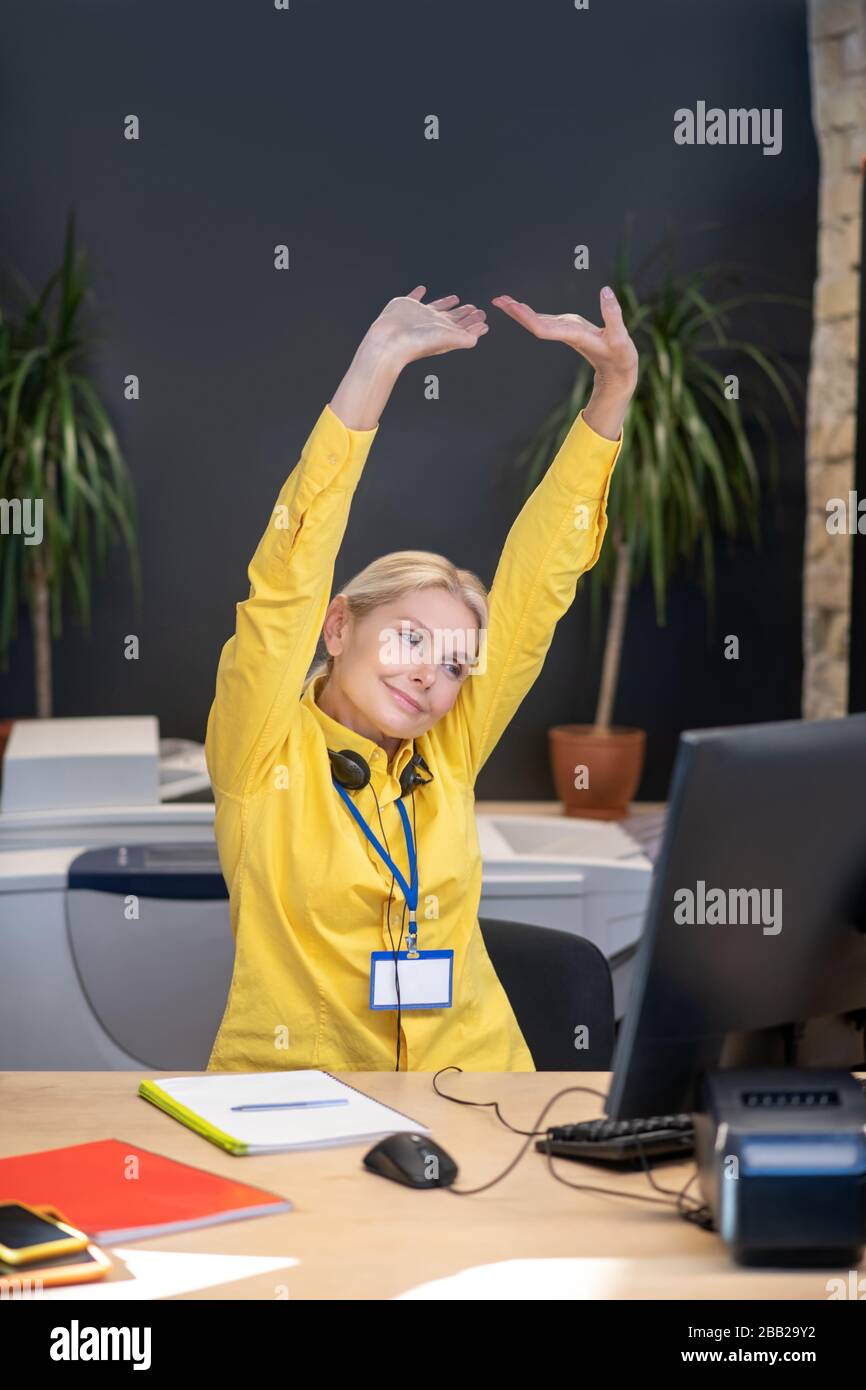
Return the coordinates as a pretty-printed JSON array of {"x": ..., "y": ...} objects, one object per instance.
[{"x": 33, "y": 1233}]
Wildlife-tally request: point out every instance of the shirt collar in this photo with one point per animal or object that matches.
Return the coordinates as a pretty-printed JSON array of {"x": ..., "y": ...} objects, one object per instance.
[{"x": 338, "y": 736}]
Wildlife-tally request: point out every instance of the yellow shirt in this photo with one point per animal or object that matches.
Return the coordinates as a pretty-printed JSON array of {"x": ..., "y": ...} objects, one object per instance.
[{"x": 308, "y": 892}]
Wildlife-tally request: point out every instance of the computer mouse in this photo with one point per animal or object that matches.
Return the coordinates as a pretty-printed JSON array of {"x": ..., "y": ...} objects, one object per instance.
[{"x": 415, "y": 1160}]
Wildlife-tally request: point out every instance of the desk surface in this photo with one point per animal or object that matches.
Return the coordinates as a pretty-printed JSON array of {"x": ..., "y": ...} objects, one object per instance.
[{"x": 359, "y": 1236}]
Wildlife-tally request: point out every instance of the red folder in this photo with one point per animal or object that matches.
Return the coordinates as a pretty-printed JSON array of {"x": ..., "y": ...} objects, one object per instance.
[{"x": 116, "y": 1191}]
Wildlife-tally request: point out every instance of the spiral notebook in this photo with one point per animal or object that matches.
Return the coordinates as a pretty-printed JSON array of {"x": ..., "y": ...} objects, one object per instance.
[{"x": 207, "y": 1105}]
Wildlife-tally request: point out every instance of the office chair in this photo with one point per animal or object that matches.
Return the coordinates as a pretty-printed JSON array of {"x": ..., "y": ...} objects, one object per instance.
[{"x": 555, "y": 982}]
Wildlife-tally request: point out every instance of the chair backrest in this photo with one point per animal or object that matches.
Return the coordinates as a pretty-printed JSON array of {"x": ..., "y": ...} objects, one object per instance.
[{"x": 556, "y": 984}]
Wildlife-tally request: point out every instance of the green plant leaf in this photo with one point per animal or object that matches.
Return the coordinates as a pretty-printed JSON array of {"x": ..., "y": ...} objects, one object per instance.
[
  {"x": 58, "y": 446},
  {"x": 687, "y": 469}
]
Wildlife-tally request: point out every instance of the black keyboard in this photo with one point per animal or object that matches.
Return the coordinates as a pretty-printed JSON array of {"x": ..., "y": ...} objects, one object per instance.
[{"x": 622, "y": 1141}]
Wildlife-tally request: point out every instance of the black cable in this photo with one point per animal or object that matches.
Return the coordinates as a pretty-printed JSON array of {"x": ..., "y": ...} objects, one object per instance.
[
  {"x": 700, "y": 1214},
  {"x": 697, "y": 1213},
  {"x": 533, "y": 1133}
]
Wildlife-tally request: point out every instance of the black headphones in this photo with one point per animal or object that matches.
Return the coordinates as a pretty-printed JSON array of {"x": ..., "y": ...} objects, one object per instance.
[{"x": 353, "y": 772}]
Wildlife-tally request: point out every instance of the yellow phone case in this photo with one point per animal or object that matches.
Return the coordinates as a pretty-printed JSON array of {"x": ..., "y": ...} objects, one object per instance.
[
  {"x": 30, "y": 1279},
  {"x": 66, "y": 1244}
]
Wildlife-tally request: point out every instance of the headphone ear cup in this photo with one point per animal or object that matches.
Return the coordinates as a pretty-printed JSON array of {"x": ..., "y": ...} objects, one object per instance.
[
  {"x": 349, "y": 769},
  {"x": 412, "y": 775},
  {"x": 353, "y": 772}
]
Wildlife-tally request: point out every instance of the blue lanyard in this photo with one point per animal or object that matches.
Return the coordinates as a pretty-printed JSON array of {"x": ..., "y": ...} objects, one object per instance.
[{"x": 410, "y": 890}]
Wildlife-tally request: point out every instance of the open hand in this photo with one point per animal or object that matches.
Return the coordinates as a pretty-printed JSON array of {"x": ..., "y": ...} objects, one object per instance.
[
  {"x": 409, "y": 329},
  {"x": 609, "y": 350}
]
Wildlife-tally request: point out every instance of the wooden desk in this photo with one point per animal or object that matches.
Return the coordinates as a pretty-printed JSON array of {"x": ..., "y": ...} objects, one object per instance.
[{"x": 359, "y": 1236}]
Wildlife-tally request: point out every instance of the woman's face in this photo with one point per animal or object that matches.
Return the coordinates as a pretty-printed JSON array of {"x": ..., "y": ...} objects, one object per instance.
[{"x": 402, "y": 665}]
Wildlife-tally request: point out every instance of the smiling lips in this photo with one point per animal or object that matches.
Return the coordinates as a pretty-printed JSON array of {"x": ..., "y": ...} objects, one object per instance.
[{"x": 405, "y": 701}]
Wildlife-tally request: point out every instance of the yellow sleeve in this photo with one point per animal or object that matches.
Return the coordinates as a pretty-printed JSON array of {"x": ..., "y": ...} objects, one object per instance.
[
  {"x": 262, "y": 667},
  {"x": 556, "y": 538}
]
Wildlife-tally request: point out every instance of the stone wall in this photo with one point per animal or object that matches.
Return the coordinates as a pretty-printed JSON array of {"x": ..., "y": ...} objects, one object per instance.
[{"x": 837, "y": 44}]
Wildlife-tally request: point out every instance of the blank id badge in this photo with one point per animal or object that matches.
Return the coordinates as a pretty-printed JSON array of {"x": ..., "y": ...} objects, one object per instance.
[{"x": 426, "y": 979}]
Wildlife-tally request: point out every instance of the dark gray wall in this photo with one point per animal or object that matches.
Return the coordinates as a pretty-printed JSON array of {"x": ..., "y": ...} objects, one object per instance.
[{"x": 306, "y": 127}]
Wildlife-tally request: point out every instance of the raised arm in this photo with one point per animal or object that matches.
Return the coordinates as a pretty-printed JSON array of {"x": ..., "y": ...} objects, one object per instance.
[
  {"x": 556, "y": 538},
  {"x": 262, "y": 667}
]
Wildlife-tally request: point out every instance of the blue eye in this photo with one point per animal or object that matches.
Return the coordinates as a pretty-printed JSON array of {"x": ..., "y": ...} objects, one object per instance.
[{"x": 408, "y": 636}]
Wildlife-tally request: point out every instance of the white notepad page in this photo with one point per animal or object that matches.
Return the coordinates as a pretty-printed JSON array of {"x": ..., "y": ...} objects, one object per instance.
[{"x": 265, "y": 1131}]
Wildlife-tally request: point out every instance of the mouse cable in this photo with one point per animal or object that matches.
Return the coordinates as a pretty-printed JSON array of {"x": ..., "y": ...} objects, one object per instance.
[
  {"x": 698, "y": 1213},
  {"x": 494, "y": 1104}
]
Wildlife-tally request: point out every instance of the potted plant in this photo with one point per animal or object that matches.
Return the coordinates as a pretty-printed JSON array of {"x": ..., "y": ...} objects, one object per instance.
[
  {"x": 686, "y": 471},
  {"x": 60, "y": 465}
]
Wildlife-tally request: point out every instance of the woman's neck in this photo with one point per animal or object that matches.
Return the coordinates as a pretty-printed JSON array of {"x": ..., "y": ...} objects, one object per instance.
[{"x": 337, "y": 705}]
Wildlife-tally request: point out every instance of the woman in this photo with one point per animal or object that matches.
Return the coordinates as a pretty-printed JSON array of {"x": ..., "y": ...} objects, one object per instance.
[{"x": 424, "y": 672}]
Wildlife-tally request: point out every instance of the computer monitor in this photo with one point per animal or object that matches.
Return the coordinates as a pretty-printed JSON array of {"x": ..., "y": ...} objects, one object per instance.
[{"x": 756, "y": 919}]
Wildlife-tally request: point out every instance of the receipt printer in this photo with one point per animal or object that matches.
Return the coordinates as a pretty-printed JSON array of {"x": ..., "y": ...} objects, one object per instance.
[{"x": 781, "y": 1156}]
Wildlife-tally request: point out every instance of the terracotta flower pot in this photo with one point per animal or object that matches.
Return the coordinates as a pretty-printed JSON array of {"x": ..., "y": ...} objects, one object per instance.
[{"x": 613, "y": 762}]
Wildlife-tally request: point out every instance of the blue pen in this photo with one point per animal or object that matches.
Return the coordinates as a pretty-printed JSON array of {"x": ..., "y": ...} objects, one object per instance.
[{"x": 291, "y": 1105}]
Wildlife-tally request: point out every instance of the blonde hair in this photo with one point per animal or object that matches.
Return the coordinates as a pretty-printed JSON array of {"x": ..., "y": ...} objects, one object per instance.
[{"x": 395, "y": 574}]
